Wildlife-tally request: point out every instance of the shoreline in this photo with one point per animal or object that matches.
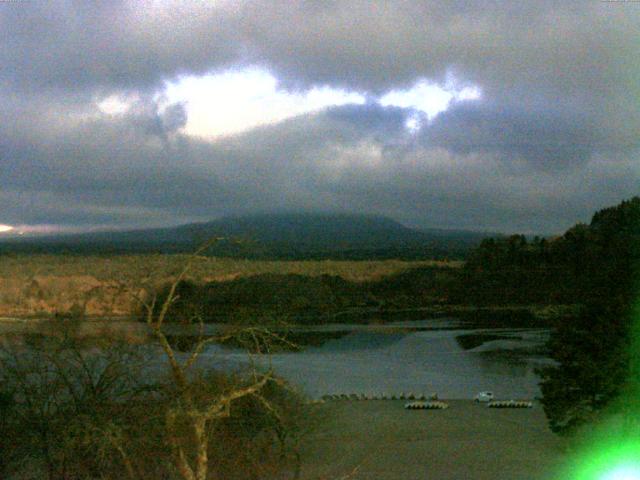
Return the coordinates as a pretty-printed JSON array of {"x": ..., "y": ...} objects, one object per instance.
[{"x": 543, "y": 314}]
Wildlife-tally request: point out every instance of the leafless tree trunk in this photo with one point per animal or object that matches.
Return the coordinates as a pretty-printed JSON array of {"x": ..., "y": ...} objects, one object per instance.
[{"x": 193, "y": 463}]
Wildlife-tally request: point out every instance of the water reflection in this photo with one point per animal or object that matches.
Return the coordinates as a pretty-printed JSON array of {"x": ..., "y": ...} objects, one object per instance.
[
  {"x": 499, "y": 365},
  {"x": 413, "y": 357},
  {"x": 416, "y": 362}
]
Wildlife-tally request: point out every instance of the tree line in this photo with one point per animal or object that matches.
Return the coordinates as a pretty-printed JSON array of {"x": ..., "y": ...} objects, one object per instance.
[{"x": 592, "y": 265}]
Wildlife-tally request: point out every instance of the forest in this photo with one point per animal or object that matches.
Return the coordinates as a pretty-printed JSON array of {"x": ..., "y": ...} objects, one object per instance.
[
  {"x": 591, "y": 270},
  {"x": 76, "y": 403},
  {"x": 589, "y": 264}
]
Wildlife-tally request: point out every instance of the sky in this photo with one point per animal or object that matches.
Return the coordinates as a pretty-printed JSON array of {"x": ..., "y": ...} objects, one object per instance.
[{"x": 482, "y": 115}]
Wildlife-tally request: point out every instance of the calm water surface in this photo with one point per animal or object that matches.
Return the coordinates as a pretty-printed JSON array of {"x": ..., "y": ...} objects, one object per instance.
[
  {"x": 403, "y": 357},
  {"x": 383, "y": 360}
]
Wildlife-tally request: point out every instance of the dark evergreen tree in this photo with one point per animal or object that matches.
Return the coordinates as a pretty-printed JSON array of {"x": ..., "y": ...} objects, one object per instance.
[
  {"x": 592, "y": 358},
  {"x": 593, "y": 351}
]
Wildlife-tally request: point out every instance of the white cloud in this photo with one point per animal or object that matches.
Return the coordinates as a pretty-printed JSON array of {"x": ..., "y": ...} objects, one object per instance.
[
  {"x": 428, "y": 99},
  {"x": 239, "y": 100},
  {"x": 468, "y": 93},
  {"x": 236, "y": 101},
  {"x": 116, "y": 104}
]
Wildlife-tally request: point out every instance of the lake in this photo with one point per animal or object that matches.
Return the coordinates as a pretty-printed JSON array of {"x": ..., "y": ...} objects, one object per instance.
[
  {"x": 422, "y": 357},
  {"x": 410, "y": 357}
]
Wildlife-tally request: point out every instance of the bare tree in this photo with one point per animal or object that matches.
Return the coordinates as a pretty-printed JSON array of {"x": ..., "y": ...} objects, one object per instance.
[
  {"x": 192, "y": 411},
  {"x": 79, "y": 412}
]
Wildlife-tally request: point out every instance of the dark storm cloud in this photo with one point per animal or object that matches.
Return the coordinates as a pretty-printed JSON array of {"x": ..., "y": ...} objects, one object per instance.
[
  {"x": 385, "y": 125},
  {"x": 148, "y": 117},
  {"x": 578, "y": 57},
  {"x": 547, "y": 139},
  {"x": 561, "y": 49},
  {"x": 116, "y": 171},
  {"x": 75, "y": 45},
  {"x": 553, "y": 137}
]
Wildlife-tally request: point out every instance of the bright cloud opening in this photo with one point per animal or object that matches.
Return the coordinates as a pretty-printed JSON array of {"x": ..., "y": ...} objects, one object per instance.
[
  {"x": 469, "y": 93},
  {"x": 5, "y": 228},
  {"x": 236, "y": 101},
  {"x": 428, "y": 100},
  {"x": 116, "y": 104},
  {"x": 414, "y": 122}
]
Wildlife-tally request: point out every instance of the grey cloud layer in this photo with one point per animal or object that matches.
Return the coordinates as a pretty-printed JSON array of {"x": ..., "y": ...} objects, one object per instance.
[
  {"x": 107, "y": 170},
  {"x": 553, "y": 138},
  {"x": 561, "y": 49}
]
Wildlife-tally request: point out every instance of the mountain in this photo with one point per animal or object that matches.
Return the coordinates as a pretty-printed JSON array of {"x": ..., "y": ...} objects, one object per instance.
[{"x": 278, "y": 236}]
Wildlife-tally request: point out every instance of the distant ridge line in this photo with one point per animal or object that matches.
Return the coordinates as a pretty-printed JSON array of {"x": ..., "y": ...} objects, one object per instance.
[{"x": 270, "y": 235}]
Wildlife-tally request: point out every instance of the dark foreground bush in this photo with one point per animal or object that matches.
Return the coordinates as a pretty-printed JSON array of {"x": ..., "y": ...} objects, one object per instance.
[{"x": 80, "y": 412}]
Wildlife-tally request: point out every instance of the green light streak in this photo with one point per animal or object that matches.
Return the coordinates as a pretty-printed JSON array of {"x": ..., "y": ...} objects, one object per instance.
[
  {"x": 612, "y": 450},
  {"x": 607, "y": 461},
  {"x": 625, "y": 472}
]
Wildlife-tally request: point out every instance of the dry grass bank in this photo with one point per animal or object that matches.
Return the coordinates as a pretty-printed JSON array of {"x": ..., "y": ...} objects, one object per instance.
[{"x": 37, "y": 285}]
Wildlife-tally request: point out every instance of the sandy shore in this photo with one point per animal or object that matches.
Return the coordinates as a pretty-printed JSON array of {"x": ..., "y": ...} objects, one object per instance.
[{"x": 381, "y": 440}]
